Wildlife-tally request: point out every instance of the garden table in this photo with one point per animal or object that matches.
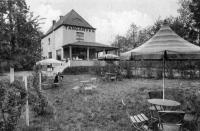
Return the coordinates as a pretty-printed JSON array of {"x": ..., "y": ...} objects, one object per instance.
[
  {"x": 164, "y": 102},
  {"x": 85, "y": 83}
]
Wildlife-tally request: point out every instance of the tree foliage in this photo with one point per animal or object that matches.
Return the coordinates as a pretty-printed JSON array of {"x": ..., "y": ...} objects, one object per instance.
[
  {"x": 195, "y": 10},
  {"x": 135, "y": 36},
  {"x": 20, "y": 35},
  {"x": 187, "y": 25}
]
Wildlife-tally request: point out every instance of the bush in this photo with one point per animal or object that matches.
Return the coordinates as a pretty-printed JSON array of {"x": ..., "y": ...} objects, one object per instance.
[
  {"x": 32, "y": 128},
  {"x": 37, "y": 100},
  {"x": 81, "y": 70},
  {"x": 42, "y": 108},
  {"x": 12, "y": 100}
]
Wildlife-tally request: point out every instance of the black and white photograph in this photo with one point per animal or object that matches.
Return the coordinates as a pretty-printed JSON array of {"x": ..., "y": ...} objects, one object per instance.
[{"x": 99, "y": 65}]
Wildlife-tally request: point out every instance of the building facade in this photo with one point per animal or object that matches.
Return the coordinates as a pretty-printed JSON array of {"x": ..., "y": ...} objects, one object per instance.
[{"x": 72, "y": 38}]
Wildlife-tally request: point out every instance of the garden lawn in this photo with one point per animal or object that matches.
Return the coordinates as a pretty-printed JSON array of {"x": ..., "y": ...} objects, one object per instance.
[{"x": 101, "y": 109}]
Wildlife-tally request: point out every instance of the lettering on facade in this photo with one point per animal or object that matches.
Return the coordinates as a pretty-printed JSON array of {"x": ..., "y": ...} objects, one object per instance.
[{"x": 80, "y": 29}]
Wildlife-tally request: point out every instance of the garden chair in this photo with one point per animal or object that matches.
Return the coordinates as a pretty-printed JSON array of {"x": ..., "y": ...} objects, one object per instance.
[
  {"x": 138, "y": 121},
  {"x": 93, "y": 82},
  {"x": 191, "y": 120},
  {"x": 171, "y": 120},
  {"x": 155, "y": 108},
  {"x": 113, "y": 77},
  {"x": 103, "y": 76},
  {"x": 155, "y": 94}
]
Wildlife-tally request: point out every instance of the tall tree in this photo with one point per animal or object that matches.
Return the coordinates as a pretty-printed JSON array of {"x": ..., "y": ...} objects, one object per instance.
[
  {"x": 195, "y": 10},
  {"x": 121, "y": 42},
  {"x": 132, "y": 36},
  {"x": 20, "y": 36}
]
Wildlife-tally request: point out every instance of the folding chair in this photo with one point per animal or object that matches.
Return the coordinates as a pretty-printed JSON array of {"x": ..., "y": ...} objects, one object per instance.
[
  {"x": 172, "y": 120},
  {"x": 93, "y": 80},
  {"x": 192, "y": 120},
  {"x": 113, "y": 77},
  {"x": 155, "y": 108},
  {"x": 138, "y": 121},
  {"x": 155, "y": 94},
  {"x": 103, "y": 76}
]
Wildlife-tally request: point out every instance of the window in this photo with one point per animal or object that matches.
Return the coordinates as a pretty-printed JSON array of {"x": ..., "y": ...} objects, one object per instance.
[
  {"x": 49, "y": 41},
  {"x": 50, "y": 54},
  {"x": 79, "y": 36},
  {"x": 58, "y": 54}
]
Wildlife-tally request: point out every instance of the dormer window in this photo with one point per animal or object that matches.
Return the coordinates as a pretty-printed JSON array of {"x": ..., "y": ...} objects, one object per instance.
[{"x": 80, "y": 36}]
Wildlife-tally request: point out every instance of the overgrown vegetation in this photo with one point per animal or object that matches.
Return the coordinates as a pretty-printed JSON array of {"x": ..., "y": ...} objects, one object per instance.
[
  {"x": 13, "y": 98},
  {"x": 38, "y": 100},
  {"x": 90, "y": 69},
  {"x": 154, "y": 69},
  {"x": 12, "y": 101},
  {"x": 19, "y": 36},
  {"x": 102, "y": 108}
]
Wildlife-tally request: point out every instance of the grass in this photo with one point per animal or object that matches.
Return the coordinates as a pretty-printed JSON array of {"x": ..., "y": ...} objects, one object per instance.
[{"x": 101, "y": 109}]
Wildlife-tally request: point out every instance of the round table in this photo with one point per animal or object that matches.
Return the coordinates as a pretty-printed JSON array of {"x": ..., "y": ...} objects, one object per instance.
[
  {"x": 163, "y": 102},
  {"x": 85, "y": 83}
]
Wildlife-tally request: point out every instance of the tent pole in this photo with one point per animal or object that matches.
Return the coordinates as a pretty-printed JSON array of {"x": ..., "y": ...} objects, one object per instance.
[{"x": 164, "y": 76}]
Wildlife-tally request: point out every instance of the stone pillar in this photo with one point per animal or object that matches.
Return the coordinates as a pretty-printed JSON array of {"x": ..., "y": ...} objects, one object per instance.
[
  {"x": 70, "y": 52},
  {"x": 88, "y": 53}
]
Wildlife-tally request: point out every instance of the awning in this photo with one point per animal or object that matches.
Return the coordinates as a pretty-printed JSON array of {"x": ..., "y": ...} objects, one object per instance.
[{"x": 90, "y": 44}]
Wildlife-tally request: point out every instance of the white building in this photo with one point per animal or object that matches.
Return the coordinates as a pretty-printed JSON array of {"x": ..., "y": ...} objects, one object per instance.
[{"x": 72, "y": 39}]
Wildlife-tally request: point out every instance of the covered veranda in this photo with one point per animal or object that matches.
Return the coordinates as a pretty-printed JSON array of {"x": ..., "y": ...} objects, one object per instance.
[
  {"x": 85, "y": 50},
  {"x": 85, "y": 53}
]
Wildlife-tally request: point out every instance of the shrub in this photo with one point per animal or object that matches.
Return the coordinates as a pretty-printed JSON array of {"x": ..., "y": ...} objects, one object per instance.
[
  {"x": 32, "y": 128},
  {"x": 38, "y": 101},
  {"x": 12, "y": 100},
  {"x": 81, "y": 70}
]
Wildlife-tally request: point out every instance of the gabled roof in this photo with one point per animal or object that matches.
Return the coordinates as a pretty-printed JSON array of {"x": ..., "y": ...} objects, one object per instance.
[{"x": 70, "y": 19}]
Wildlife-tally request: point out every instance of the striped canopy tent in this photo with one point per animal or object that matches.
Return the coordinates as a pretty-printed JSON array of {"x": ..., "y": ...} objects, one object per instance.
[{"x": 165, "y": 44}]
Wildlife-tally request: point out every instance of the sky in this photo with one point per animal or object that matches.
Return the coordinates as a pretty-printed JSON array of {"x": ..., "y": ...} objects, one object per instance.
[{"x": 109, "y": 17}]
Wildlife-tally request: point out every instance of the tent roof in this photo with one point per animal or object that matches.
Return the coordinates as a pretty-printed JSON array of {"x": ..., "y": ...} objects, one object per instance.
[{"x": 165, "y": 40}]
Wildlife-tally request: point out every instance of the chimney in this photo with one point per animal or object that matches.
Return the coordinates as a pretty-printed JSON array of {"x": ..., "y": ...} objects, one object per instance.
[
  {"x": 61, "y": 17},
  {"x": 53, "y": 22}
]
